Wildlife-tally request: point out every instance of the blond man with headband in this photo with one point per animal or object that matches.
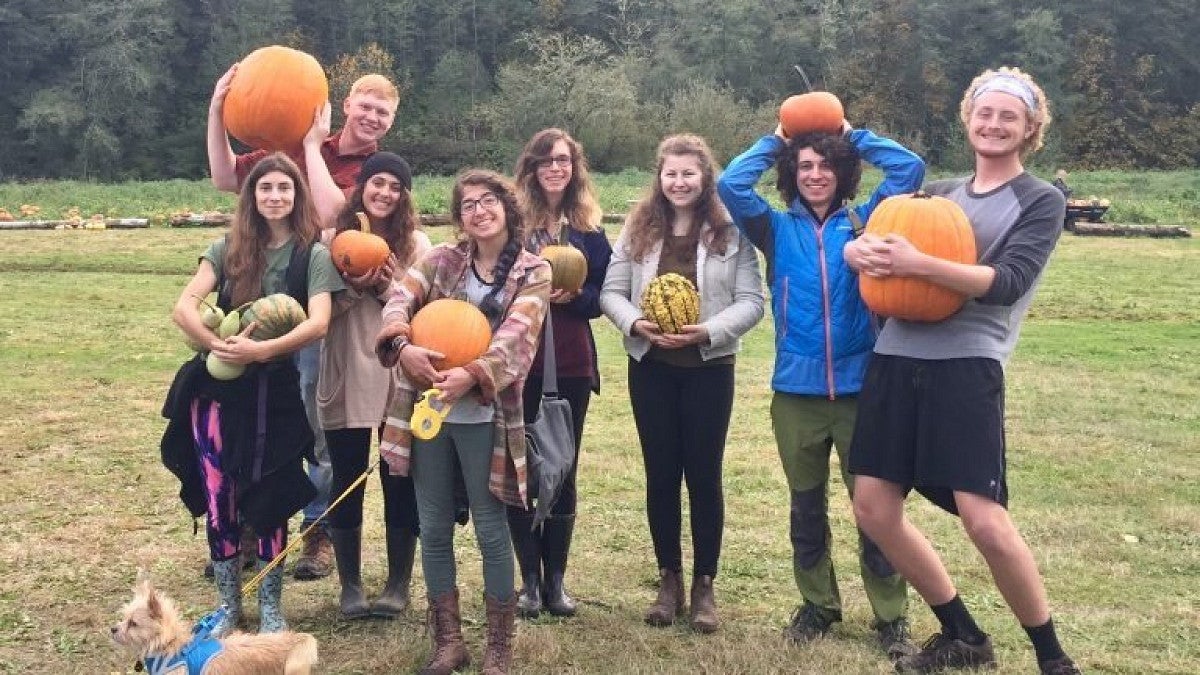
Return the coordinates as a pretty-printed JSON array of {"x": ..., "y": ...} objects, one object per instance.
[
  {"x": 331, "y": 164},
  {"x": 931, "y": 412}
]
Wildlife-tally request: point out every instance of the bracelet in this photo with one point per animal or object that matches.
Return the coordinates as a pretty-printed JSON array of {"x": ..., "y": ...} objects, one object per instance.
[{"x": 398, "y": 344}]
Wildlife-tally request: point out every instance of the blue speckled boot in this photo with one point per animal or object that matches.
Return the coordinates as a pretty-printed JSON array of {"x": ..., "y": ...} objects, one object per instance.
[
  {"x": 228, "y": 576},
  {"x": 270, "y": 613}
]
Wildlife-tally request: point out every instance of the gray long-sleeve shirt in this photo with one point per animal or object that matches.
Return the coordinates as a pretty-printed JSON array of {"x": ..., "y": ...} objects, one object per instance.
[{"x": 1016, "y": 228}]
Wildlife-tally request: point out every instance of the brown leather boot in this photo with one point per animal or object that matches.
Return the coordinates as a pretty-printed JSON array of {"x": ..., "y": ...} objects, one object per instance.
[
  {"x": 704, "y": 606},
  {"x": 316, "y": 558},
  {"x": 449, "y": 651},
  {"x": 497, "y": 653},
  {"x": 669, "y": 603}
]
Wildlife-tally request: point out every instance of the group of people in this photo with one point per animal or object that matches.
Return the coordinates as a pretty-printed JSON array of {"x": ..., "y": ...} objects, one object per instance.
[{"x": 907, "y": 405}]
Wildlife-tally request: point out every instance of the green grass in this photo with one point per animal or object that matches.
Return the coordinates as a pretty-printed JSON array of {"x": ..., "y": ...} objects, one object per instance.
[
  {"x": 1103, "y": 417},
  {"x": 1161, "y": 197}
]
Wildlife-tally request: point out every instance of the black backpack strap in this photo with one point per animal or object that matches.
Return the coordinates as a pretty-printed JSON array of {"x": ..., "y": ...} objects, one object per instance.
[
  {"x": 296, "y": 277},
  {"x": 856, "y": 223},
  {"x": 224, "y": 288}
]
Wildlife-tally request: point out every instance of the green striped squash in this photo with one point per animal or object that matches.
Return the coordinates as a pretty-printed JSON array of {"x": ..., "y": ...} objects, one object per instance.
[{"x": 277, "y": 314}]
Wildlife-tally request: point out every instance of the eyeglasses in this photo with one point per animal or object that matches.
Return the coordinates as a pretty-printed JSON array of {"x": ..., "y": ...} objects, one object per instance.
[
  {"x": 547, "y": 162},
  {"x": 487, "y": 201}
]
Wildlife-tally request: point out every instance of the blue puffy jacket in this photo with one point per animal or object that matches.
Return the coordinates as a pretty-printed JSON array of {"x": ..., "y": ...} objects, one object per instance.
[{"x": 823, "y": 333}]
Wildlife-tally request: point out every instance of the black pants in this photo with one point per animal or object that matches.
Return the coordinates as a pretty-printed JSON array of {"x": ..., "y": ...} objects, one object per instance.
[
  {"x": 349, "y": 450},
  {"x": 578, "y": 392},
  {"x": 682, "y": 417}
]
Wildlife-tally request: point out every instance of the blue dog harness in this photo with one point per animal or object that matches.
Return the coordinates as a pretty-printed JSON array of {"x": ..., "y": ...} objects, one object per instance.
[{"x": 196, "y": 654}]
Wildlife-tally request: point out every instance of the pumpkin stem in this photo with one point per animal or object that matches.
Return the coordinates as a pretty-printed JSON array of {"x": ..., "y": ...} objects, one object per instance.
[
  {"x": 920, "y": 194},
  {"x": 364, "y": 223},
  {"x": 202, "y": 301}
]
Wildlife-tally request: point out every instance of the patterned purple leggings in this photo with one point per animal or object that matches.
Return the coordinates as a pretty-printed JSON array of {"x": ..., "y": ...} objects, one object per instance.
[{"x": 222, "y": 524}]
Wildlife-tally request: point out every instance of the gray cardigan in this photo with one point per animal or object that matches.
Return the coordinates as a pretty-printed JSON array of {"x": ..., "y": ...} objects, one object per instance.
[{"x": 729, "y": 284}]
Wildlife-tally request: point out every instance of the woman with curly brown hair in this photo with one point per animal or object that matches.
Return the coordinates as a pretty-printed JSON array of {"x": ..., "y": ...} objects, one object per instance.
[
  {"x": 561, "y": 209},
  {"x": 681, "y": 385},
  {"x": 485, "y": 428}
]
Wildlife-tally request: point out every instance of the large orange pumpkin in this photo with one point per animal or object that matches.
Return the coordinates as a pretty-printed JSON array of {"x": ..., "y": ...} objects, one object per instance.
[
  {"x": 814, "y": 111},
  {"x": 568, "y": 267},
  {"x": 454, "y": 328},
  {"x": 356, "y": 252},
  {"x": 935, "y": 226},
  {"x": 273, "y": 96}
]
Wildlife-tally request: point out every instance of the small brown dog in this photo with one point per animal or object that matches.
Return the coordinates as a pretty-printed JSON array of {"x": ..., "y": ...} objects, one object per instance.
[{"x": 151, "y": 628}]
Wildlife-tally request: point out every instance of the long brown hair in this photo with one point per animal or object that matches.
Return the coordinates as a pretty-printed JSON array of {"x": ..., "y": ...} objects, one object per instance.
[
  {"x": 249, "y": 234},
  {"x": 579, "y": 203},
  {"x": 396, "y": 230},
  {"x": 653, "y": 216}
]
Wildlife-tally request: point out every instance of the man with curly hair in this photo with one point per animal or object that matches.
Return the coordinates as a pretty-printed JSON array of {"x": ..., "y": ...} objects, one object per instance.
[
  {"x": 931, "y": 413},
  {"x": 823, "y": 339}
]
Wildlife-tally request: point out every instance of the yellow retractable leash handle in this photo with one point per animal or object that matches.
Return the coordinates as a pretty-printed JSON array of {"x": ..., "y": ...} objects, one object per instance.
[{"x": 428, "y": 414}]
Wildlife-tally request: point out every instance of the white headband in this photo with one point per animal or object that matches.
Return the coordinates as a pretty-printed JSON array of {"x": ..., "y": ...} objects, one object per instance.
[{"x": 1009, "y": 84}]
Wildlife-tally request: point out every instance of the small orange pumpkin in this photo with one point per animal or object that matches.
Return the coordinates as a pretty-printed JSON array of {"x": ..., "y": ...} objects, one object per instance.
[
  {"x": 814, "y": 111},
  {"x": 454, "y": 328},
  {"x": 356, "y": 252},
  {"x": 568, "y": 267},
  {"x": 273, "y": 96},
  {"x": 935, "y": 226}
]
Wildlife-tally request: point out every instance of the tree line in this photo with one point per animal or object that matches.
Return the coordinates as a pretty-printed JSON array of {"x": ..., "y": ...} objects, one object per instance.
[{"x": 119, "y": 89}]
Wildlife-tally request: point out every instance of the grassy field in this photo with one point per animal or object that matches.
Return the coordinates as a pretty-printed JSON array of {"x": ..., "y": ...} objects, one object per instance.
[
  {"x": 1160, "y": 197},
  {"x": 1103, "y": 408}
]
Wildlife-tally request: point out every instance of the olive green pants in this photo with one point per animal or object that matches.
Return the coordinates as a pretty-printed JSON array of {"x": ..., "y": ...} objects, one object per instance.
[{"x": 806, "y": 428}]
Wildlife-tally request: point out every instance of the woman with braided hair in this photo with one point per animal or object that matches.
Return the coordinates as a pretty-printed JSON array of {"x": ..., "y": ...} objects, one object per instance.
[{"x": 485, "y": 429}]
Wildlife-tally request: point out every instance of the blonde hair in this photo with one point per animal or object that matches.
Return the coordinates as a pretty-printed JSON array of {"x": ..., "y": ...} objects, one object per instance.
[
  {"x": 378, "y": 85},
  {"x": 1039, "y": 117}
]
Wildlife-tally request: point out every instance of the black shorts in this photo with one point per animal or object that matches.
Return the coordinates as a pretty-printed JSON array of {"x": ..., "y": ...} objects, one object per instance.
[{"x": 933, "y": 426}]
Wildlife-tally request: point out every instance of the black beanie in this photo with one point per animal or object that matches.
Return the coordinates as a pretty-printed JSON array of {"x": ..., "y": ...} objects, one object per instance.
[{"x": 386, "y": 162}]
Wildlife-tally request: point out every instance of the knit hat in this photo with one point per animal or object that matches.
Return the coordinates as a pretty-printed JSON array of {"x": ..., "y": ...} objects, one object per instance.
[{"x": 386, "y": 162}]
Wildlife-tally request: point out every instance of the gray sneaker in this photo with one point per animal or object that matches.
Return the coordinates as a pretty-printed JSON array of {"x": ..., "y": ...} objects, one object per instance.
[
  {"x": 810, "y": 622},
  {"x": 894, "y": 638},
  {"x": 1063, "y": 666},
  {"x": 941, "y": 652}
]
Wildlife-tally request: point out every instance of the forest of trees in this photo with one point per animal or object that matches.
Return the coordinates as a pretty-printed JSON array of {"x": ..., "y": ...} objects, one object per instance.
[{"x": 119, "y": 89}]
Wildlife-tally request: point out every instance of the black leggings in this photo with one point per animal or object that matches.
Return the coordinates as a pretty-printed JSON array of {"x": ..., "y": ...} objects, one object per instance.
[
  {"x": 682, "y": 417},
  {"x": 578, "y": 392},
  {"x": 349, "y": 450}
]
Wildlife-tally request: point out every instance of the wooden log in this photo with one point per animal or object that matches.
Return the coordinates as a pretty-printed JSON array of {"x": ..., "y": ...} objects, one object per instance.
[
  {"x": 1119, "y": 230},
  {"x": 200, "y": 220},
  {"x": 109, "y": 223}
]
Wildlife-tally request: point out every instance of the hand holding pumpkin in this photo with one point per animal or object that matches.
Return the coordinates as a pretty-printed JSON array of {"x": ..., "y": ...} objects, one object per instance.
[
  {"x": 241, "y": 348},
  {"x": 649, "y": 330},
  {"x": 454, "y": 384},
  {"x": 221, "y": 90},
  {"x": 561, "y": 296},
  {"x": 866, "y": 255},
  {"x": 417, "y": 363},
  {"x": 895, "y": 255},
  {"x": 321, "y": 126},
  {"x": 691, "y": 334},
  {"x": 385, "y": 274}
]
